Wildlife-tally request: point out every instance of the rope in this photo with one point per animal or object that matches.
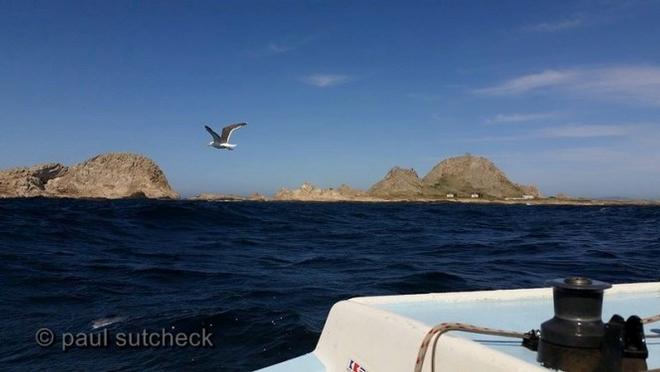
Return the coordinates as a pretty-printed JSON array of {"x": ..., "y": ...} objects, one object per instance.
[
  {"x": 651, "y": 319},
  {"x": 441, "y": 328}
]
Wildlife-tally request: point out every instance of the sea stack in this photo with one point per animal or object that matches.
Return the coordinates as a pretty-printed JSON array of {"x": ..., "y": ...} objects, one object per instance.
[
  {"x": 112, "y": 176},
  {"x": 399, "y": 183}
]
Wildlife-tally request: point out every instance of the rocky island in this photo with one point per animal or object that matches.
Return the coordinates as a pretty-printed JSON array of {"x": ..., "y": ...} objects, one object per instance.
[
  {"x": 309, "y": 192},
  {"x": 465, "y": 179},
  {"x": 112, "y": 176},
  {"x": 458, "y": 178}
]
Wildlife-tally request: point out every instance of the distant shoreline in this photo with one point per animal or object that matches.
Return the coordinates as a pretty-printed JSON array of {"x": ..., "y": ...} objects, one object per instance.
[
  {"x": 576, "y": 202},
  {"x": 537, "y": 202},
  {"x": 464, "y": 179}
]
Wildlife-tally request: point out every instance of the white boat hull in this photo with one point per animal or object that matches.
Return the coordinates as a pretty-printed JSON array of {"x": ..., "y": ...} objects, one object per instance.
[{"x": 384, "y": 333}]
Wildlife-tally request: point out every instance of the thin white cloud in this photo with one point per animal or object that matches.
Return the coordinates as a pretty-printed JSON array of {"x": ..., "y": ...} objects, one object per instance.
[
  {"x": 438, "y": 116},
  {"x": 283, "y": 46},
  {"x": 275, "y": 48},
  {"x": 574, "y": 131},
  {"x": 617, "y": 157},
  {"x": 583, "y": 131},
  {"x": 425, "y": 97},
  {"x": 325, "y": 80},
  {"x": 560, "y": 25},
  {"x": 526, "y": 83},
  {"x": 628, "y": 84},
  {"x": 631, "y": 83},
  {"x": 520, "y": 118}
]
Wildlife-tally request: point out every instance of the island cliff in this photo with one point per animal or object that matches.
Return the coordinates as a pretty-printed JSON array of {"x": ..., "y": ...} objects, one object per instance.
[{"x": 112, "y": 176}]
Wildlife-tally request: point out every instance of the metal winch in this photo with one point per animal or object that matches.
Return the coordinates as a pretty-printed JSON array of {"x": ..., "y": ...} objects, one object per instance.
[{"x": 577, "y": 340}]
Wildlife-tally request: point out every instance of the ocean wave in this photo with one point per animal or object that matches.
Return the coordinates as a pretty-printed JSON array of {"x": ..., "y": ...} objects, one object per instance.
[{"x": 263, "y": 276}]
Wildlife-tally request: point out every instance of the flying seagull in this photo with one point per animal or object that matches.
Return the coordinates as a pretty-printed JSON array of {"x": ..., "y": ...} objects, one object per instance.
[{"x": 222, "y": 142}]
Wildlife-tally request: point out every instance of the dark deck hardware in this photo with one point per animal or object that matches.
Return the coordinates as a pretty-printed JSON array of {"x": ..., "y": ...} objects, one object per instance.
[{"x": 577, "y": 340}]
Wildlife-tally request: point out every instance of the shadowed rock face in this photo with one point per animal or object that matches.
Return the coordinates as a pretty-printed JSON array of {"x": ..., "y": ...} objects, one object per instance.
[
  {"x": 27, "y": 182},
  {"x": 398, "y": 183},
  {"x": 113, "y": 176}
]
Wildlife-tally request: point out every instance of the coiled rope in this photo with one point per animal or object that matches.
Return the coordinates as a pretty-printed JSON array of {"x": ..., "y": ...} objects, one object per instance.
[{"x": 441, "y": 328}]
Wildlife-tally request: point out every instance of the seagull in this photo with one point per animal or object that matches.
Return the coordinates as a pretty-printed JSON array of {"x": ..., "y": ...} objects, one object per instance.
[{"x": 222, "y": 142}]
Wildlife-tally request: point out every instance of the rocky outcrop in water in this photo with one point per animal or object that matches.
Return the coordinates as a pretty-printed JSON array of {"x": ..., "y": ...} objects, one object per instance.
[
  {"x": 112, "y": 175},
  {"x": 399, "y": 183},
  {"x": 309, "y": 192},
  {"x": 229, "y": 197}
]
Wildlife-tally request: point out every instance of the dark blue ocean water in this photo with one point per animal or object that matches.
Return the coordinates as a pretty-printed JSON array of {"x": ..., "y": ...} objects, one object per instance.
[{"x": 263, "y": 276}]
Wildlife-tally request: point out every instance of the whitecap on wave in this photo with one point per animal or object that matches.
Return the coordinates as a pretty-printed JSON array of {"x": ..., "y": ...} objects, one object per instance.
[{"x": 104, "y": 322}]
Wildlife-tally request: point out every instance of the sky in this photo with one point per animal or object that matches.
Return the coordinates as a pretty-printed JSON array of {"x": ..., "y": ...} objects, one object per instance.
[{"x": 561, "y": 94}]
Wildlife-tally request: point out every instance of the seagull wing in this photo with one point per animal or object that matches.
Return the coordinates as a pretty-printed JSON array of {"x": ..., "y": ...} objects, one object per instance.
[
  {"x": 228, "y": 130},
  {"x": 215, "y": 135}
]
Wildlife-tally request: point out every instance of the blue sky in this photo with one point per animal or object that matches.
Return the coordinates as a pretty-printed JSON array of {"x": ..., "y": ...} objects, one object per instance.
[{"x": 562, "y": 94}]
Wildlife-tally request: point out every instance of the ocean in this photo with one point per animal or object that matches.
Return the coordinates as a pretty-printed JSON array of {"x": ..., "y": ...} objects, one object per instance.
[{"x": 259, "y": 278}]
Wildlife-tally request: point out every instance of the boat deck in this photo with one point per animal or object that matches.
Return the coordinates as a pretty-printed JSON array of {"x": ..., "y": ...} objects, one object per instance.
[{"x": 398, "y": 323}]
